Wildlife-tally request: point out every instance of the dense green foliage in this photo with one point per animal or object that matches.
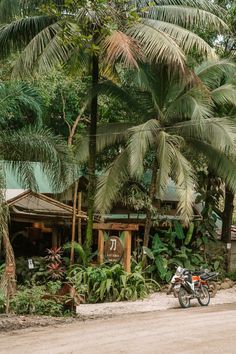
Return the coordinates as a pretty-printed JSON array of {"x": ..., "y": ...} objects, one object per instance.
[
  {"x": 134, "y": 87},
  {"x": 176, "y": 247},
  {"x": 111, "y": 283},
  {"x": 32, "y": 301}
]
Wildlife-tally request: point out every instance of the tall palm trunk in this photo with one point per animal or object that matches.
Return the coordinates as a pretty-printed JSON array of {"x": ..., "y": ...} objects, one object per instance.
[
  {"x": 227, "y": 222},
  {"x": 92, "y": 154},
  {"x": 152, "y": 193},
  {"x": 8, "y": 281}
]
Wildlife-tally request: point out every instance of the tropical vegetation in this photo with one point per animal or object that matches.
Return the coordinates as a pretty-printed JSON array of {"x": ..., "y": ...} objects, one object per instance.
[{"x": 119, "y": 90}]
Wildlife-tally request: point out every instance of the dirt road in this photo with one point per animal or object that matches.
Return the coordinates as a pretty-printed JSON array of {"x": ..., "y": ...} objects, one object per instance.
[{"x": 195, "y": 330}]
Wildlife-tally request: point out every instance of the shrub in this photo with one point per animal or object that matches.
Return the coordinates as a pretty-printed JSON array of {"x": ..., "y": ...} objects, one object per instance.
[
  {"x": 31, "y": 301},
  {"x": 173, "y": 248},
  {"x": 25, "y": 275},
  {"x": 110, "y": 283}
]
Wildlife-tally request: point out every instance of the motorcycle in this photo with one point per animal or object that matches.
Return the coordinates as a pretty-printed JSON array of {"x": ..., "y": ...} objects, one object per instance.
[
  {"x": 207, "y": 278},
  {"x": 188, "y": 287}
]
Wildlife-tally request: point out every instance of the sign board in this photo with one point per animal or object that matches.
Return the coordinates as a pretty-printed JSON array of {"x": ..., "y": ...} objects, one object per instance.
[
  {"x": 113, "y": 249},
  {"x": 30, "y": 264}
]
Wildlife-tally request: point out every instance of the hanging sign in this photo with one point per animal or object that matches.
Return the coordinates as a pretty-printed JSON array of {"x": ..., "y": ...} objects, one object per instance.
[{"x": 113, "y": 249}]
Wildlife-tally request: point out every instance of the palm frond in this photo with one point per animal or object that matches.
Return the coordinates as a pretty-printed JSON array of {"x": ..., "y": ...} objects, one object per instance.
[
  {"x": 186, "y": 39},
  {"x": 18, "y": 34},
  {"x": 25, "y": 173},
  {"x": 186, "y": 183},
  {"x": 225, "y": 94},
  {"x": 16, "y": 98},
  {"x": 193, "y": 103},
  {"x": 221, "y": 163},
  {"x": 44, "y": 51},
  {"x": 141, "y": 140},
  {"x": 37, "y": 144},
  {"x": 166, "y": 150},
  {"x": 8, "y": 10},
  {"x": 157, "y": 45},
  {"x": 219, "y": 132},
  {"x": 107, "y": 135},
  {"x": 109, "y": 88},
  {"x": 199, "y": 4},
  {"x": 187, "y": 16},
  {"x": 110, "y": 182},
  {"x": 120, "y": 46},
  {"x": 211, "y": 72}
]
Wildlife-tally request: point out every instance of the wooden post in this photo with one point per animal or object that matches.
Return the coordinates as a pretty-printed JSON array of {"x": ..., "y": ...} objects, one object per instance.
[
  {"x": 100, "y": 246},
  {"x": 79, "y": 219},
  {"x": 127, "y": 252},
  {"x": 72, "y": 252}
]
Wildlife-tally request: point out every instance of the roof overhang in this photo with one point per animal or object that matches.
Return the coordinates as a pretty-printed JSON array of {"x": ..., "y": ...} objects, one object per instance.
[{"x": 31, "y": 204}]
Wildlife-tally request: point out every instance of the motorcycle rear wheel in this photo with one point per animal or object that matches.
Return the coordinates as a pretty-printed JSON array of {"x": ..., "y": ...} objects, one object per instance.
[
  {"x": 204, "y": 298},
  {"x": 184, "y": 298}
]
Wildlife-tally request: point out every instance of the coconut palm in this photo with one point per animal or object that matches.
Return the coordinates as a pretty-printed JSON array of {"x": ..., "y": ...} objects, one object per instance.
[
  {"x": 107, "y": 32},
  {"x": 179, "y": 118}
]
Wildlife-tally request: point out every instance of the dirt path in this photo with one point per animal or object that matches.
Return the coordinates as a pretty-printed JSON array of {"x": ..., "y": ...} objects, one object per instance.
[{"x": 195, "y": 330}]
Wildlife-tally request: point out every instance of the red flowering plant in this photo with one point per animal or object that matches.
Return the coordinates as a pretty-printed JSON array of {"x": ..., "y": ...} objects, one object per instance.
[{"x": 54, "y": 261}]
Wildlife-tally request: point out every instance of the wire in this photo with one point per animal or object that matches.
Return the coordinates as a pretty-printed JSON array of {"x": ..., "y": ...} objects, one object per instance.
[{"x": 149, "y": 130}]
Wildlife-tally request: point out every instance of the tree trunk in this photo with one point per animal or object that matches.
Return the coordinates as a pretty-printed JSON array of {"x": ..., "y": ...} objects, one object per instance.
[
  {"x": 152, "y": 193},
  {"x": 8, "y": 281},
  {"x": 226, "y": 224},
  {"x": 92, "y": 155},
  {"x": 79, "y": 219},
  {"x": 75, "y": 125},
  {"x": 72, "y": 251}
]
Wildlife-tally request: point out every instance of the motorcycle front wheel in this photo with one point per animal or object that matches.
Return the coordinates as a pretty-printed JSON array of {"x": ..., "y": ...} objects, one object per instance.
[
  {"x": 184, "y": 298},
  {"x": 212, "y": 287},
  {"x": 204, "y": 297}
]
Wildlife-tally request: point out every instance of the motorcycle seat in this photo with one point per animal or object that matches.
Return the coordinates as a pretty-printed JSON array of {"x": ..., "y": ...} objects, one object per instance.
[{"x": 208, "y": 275}]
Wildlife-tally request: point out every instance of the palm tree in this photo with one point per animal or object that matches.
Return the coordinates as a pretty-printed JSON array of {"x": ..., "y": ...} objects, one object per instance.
[
  {"x": 179, "y": 118},
  {"x": 21, "y": 147},
  {"x": 107, "y": 32}
]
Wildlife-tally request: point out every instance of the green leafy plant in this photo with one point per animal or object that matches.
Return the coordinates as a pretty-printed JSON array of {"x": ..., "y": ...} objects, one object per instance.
[
  {"x": 34, "y": 301},
  {"x": 176, "y": 247},
  {"x": 110, "y": 283},
  {"x": 79, "y": 252},
  {"x": 36, "y": 275}
]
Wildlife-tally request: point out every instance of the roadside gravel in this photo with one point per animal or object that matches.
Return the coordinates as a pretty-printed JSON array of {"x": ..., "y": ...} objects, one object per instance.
[{"x": 155, "y": 302}]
